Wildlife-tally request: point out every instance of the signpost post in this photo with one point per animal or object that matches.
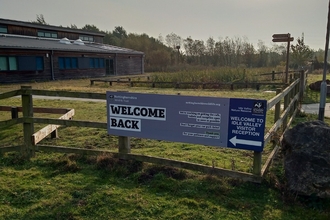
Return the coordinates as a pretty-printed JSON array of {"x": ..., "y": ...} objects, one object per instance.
[
  {"x": 323, "y": 89},
  {"x": 284, "y": 38}
]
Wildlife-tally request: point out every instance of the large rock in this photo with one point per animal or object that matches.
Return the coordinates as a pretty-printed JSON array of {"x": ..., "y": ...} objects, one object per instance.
[
  {"x": 306, "y": 150},
  {"x": 316, "y": 86}
]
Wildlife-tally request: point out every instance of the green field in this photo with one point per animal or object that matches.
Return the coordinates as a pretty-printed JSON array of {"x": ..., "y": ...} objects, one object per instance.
[{"x": 68, "y": 186}]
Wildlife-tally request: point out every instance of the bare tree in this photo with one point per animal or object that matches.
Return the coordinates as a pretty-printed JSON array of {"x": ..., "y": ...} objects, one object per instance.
[
  {"x": 248, "y": 53},
  {"x": 173, "y": 40},
  {"x": 40, "y": 19},
  {"x": 73, "y": 26},
  {"x": 263, "y": 55}
]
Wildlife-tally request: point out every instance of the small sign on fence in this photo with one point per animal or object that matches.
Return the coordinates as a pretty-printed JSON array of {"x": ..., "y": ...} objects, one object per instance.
[{"x": 223, "y": 122}]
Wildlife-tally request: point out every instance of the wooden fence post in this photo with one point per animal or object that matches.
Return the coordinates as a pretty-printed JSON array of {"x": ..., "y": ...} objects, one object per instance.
[
  {"x": 28, "y": 128},
  {"x": 273, "y": 75},
  {"x": 257, "y": 156},
  {"x": 54, "y": 134},
  {"x": 277, "y": 107},
  {"x": 286, "y": 104},
  {"x": 14, "y": 112},
  {"x": 124, "y": 145},
  {"x": 302, "y": 86},
  {"x": 295, "y": 92},
  {"x": 292, "y": 94},
  {"x": 291, "y": 78}
]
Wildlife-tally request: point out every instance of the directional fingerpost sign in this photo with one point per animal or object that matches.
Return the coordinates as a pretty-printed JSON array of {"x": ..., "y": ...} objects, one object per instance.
[
  {"x": 284, "y": 38},
  {"x": 223, "y": 122}
]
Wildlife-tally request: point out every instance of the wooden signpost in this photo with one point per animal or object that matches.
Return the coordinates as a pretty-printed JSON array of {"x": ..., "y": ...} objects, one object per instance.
[{"x": 284, "y": 38}]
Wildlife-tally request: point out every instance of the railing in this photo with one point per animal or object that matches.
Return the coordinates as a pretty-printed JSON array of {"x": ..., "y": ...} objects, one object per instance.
[
  {"x": 202, "y": 85},
  {"x": 281, "y": 75},
  {"x": 291, "y": 97},
  {"x": 241, "y": 83}
]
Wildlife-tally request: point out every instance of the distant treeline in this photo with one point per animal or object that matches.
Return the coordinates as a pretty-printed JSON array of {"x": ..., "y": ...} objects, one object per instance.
[{"x": 173, "y": 52}]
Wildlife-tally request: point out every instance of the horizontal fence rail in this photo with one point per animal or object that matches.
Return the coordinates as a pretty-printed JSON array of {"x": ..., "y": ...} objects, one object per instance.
[
  {"x": 10, "y": 94},
  {"x": 203, "y": 85},
  {"x": 263, "y": 80},
  {"x": 37, "y": 109},
  {"x": 291, "y": 96}
]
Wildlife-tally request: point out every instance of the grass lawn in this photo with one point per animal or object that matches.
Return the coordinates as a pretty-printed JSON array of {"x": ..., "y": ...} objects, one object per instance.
[{"x": 68, "y": 186}]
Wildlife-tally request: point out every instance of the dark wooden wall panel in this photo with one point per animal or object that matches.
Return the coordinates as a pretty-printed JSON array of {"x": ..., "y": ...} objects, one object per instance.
[
  {"x": 22, "y": 30},
  {"x": 129, "y": 65}
]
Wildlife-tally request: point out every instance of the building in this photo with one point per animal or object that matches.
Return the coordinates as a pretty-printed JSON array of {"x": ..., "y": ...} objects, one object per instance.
[{"x": 37, "y": 52}]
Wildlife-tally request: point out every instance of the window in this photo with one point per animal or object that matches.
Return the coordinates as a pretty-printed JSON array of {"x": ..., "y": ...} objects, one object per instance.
[
  {"x": 86, "y": 38},
  {"x": 101, "y": 63},
  {"x": 67, "y": 63},
  {"x": 41, "y": 34},
  {"x": 74, "y": 63},
  {"x": 3, "y": 29},
  {"x": 91, "y": 62},
  {"x": 61, "y": 63},
  {"x": 80, "y": 62},
  {"x": 8, "y": 63},
  {"x": 96, "y": 63},
  {"x": 12, "y": 63},
  {"x": 21, "y": 63},
  {"x": 3, "y": 63},
  {"x": 40, "y": 63},
  {"x": 48, "y": 34}
]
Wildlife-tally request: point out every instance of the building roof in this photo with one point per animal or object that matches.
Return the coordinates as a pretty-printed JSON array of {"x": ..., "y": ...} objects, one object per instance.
[
  {"x": 48, "y": 27},
  {"x": 36, "y": 43}
]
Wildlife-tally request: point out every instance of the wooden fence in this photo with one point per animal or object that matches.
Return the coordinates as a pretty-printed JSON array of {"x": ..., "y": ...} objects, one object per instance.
[
  {"x": 268, "y": 81},
  {"x": 290, "y": 96},
  {"x": 280, "y": 75},
  {"x": 49, "y": 129}
]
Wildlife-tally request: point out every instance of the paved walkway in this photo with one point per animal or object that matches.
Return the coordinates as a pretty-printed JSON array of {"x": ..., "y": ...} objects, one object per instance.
[{"x": 314, "y": 109}]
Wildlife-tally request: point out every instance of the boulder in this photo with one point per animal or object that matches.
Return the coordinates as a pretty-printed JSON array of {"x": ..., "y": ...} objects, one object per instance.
[
  {"x": 316, "y": 86},
  {"x": 306, "y": 149}
]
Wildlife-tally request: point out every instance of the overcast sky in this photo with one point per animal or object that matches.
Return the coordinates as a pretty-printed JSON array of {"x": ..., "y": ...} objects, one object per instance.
[{"x": 254, "y": 19}]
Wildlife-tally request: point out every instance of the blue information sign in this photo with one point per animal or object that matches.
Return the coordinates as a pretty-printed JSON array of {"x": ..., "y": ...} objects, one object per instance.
[
  {"x": 246, "y": 126},
  {"x": 234, "y": 123}
]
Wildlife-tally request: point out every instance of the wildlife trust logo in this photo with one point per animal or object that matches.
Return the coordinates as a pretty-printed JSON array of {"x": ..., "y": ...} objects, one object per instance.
[{"x": 258, "y": 108}]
